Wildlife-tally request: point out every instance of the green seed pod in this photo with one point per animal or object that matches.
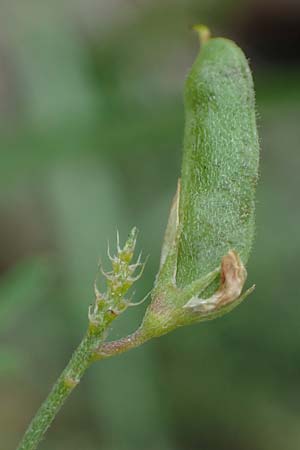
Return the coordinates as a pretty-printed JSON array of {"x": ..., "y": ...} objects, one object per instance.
[
  {"x": 220, "y": 160},
  {"x": 211, "y": 223}
]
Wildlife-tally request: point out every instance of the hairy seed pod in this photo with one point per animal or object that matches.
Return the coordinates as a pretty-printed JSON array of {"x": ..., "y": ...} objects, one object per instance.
[
  {"x": 211, "y": 223},
  {"x": 220, "y": 161}
]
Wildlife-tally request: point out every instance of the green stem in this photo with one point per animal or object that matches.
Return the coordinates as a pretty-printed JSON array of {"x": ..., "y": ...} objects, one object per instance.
[
  {"x": 106, "y": 308},
  {"x": 114, "y": 348},
  {"x": 68, "y": 380}
]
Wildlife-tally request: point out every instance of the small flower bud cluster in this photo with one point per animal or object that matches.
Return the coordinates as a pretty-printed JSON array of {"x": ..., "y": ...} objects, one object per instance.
[{"x": 110, "y": 304}]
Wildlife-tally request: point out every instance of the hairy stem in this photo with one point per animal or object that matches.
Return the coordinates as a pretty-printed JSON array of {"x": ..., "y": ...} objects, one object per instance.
[
  {"x": 107, "y": 307},
  {"x": 68, "y": 380},
  {"x": 113, "y": 348}
]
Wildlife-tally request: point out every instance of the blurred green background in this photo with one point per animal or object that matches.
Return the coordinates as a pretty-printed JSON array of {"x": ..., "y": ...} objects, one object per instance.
[{"x": 91, "y": 132}]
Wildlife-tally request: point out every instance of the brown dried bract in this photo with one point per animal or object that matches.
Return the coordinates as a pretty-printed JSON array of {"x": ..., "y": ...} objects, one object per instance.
[{"x": 233, "y": 277}]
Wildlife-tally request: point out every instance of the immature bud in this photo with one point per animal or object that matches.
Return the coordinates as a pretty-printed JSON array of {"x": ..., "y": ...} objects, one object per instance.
[{"x": 111, "y": 303}]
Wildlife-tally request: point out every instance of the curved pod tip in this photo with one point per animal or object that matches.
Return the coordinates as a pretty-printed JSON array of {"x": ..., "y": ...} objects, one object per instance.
[{"x": 203, "y": 32}]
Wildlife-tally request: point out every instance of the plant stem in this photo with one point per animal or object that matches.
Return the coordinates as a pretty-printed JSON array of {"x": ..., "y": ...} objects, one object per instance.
[
  {"x": 113, "y": 348},
  {"x": 68, "y": 380},
  {"x": 107, "y": 307}
]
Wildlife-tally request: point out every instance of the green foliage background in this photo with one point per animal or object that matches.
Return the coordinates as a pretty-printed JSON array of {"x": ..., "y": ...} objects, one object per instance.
[{"x": 91, "y": 133}]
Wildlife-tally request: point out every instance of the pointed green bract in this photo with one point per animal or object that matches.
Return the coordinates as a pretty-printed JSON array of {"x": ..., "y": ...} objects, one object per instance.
[{"x": 220, "y": 161}]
